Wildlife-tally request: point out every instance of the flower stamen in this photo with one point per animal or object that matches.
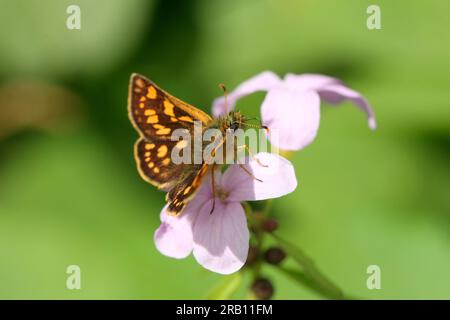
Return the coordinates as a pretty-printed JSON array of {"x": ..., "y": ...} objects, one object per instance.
[{"x": 222, "y": 194}]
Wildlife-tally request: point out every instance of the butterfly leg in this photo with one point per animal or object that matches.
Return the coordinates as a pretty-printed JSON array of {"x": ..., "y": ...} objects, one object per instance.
[
  {"x": 252, "y": 155},
  {"x": 213, "y": 186}
]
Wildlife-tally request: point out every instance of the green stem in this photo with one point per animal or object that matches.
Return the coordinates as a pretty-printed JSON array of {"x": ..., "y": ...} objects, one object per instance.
[
  {"x": 226, "y": 287},
  {"x": 267, "y": 208},
  {"x": 255, "y": 226}
]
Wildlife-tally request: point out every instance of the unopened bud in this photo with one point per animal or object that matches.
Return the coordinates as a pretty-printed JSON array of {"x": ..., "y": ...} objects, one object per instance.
[
  {"x": 270, "y": 225},
  {"x": 262, "y": 289},
  {"x": 274, "y": 255}
]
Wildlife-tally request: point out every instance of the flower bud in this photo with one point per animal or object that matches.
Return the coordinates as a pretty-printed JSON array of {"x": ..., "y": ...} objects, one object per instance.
[
  {"x": 262, "y": 289},
  {"x": 274, "y": 255},
  {"x": 270, "y": 225}
]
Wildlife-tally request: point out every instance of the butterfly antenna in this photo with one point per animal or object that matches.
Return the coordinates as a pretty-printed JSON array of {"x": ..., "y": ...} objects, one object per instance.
[
  {"x": 251, "y": 125},
  {"x": 225, "y": 94},
  {"x": 259, "y": 126}
]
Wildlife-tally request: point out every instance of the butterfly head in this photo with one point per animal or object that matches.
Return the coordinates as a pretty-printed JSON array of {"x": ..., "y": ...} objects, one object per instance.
[{"x": 235, "y": 120}]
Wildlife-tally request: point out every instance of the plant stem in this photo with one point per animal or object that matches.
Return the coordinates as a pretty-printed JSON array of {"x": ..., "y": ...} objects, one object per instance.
[
  {"x": 267, "y": 207},
  {"x": 255, "y": 226}
]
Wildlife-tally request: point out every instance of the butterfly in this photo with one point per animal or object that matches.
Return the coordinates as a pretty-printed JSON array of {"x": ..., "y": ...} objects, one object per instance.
[{"x": 156, "y": 114}]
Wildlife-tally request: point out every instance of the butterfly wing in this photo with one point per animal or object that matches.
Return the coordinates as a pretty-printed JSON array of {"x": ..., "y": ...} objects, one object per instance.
[
  {"x": 183, "y": 192},
  {"x": 155, "y": 165},
  {"x": 156, "y": 114}
]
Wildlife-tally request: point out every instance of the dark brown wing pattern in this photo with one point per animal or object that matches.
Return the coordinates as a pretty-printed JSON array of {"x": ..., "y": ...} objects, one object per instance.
[{"x": 155, "y": 113}]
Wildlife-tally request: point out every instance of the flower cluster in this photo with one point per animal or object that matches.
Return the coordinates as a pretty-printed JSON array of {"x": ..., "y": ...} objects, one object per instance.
[
  {"x": 292, "y": 105},
  {"x": 220, "y": 241}
]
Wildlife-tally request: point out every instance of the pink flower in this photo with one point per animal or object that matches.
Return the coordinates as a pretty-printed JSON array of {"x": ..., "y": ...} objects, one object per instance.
[
  {"x": 220, "y": 241},
  {"x": 292, "y": 105}
]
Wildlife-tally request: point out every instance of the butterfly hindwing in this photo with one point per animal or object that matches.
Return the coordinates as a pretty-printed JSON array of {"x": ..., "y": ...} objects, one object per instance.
[
  {"x": 185, "y": 190},
  {"x": 155, "y": 166},
  {"x": 153, "y": 159},
  {"x": 155, "y": 113}
]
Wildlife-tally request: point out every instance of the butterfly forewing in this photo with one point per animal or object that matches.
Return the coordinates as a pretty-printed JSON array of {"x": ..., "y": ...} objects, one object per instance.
[{"x": 156, "y": 114}]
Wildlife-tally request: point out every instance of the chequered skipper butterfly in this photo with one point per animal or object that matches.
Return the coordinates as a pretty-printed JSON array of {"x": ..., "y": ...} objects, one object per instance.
[{"x": 156, "y": 114}]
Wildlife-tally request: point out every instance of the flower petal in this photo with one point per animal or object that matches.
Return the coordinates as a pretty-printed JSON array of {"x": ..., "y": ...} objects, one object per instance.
[
  {"x": 292, "y": 116},
  {"x": 305, "y": 82},
  {"x": 261, "y": 82},
  {"x": 277, "y": 178},
  {"x": 174, "y": 237},
  {"x": 336, "y": 93},
  {"x": 221, "y": 238}
]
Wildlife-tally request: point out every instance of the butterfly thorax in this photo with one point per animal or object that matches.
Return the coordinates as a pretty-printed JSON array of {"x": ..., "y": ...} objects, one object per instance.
[{"x": 233, "y": 120}]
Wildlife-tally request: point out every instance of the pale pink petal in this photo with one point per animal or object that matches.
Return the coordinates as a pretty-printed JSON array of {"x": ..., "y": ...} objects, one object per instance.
[
  {"x": 305, "y": 82},
  {"x": 292, "y": 117},
  {"x": 261, "y": 82},
  {"x": 174, "y": 237},
  {"x": 277, "y": 175},
  {"x": 336, "y": 93},
  {"x": 221, "y": 238}
]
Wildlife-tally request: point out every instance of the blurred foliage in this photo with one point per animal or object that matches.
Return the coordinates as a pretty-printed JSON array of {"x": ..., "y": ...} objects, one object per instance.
[{"x": 69, "y": 190}]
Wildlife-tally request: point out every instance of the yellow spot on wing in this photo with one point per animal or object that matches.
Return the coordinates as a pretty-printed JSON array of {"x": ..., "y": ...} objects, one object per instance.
[
  {"x": 166, "y": 161},
  {"x": 162, "y": 151},
  {"x": 149, "y": 112},
  {"x": 147, "y": 154},
  {"x": 151, "y": 165},
  {"x": 156, "y": 170},
  {"x": 163, "y": 131},
  {"x": 141, "y": 105},
  {"x": 149, "y": 146},
  {"x": 186, "y": 119},
  {"x": 186, "y": 191},
  {"x": 173, "y": 119},
  {"x": 142, "y": 99},
  {"x": 151, "y": 92},
  {"x": 140, "y": 83},
  {"x": 152, "y": 119},
  {"x": 199, "y": 176},
  {"x": 168, "y": 108}
]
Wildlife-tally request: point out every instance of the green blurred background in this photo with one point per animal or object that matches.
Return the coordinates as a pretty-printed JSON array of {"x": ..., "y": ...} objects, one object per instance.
[{"x": 70, "y": 192}]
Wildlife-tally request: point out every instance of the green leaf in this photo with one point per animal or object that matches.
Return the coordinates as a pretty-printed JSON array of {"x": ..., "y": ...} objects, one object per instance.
[
  {"x": 226, "y": 287},
  {"x": 311, "y": 276}
]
